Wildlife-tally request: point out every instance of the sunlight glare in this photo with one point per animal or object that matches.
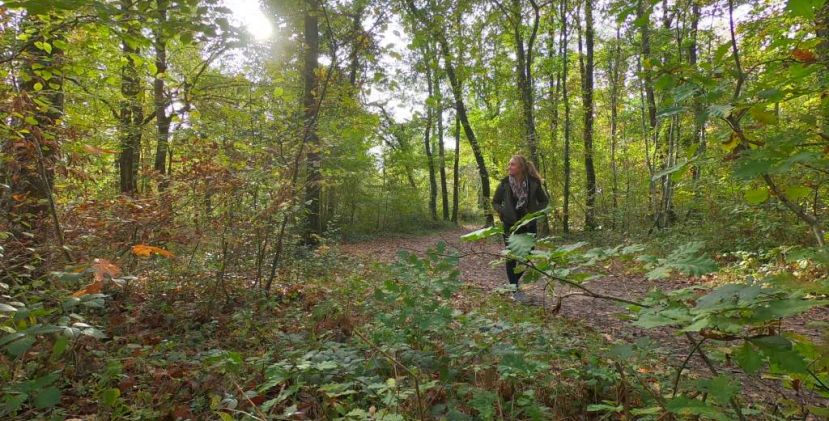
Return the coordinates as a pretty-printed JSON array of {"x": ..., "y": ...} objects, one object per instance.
[{"x": 250, "y": 13}]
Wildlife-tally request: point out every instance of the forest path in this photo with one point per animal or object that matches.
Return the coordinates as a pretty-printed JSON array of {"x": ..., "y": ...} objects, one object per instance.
[{"x": 603, "y": 316}]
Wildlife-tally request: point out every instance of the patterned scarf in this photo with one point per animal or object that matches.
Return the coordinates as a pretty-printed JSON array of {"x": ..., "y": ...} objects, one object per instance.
[{"x": 519, "y": 189}]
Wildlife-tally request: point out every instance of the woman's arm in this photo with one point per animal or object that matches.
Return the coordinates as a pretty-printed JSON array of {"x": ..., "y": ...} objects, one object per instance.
[
  {"x": 541, "y": 196},
  {"x": 498, "y": 199}
]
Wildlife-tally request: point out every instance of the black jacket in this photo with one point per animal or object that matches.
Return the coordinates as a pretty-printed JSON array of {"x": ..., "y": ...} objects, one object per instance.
[{"x": 502, "y": 202}]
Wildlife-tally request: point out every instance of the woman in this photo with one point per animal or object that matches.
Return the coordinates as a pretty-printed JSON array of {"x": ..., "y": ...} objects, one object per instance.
[{"x": 518, "y": 194}]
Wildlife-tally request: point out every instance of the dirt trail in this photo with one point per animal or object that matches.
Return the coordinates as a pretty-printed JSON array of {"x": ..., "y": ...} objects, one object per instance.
[{"x": 477, "y": 269}]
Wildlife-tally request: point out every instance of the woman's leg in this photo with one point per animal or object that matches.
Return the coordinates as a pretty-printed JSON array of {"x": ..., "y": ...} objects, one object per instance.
[
  {"x": 510, "y": 265},
  {"x": 530, "y": 228}
]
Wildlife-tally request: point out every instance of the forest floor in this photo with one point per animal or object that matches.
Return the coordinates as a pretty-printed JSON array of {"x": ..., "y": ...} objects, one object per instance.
[{"x": 480, "y": 268}]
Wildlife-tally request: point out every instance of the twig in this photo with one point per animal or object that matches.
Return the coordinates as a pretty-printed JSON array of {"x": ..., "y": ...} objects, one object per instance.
[
  {"x": 685, "y": 364},
  {"x": 733, "y": 401}
]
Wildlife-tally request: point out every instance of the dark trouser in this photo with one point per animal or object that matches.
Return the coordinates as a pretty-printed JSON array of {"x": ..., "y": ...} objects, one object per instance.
[{"x": 511, "y": 263}]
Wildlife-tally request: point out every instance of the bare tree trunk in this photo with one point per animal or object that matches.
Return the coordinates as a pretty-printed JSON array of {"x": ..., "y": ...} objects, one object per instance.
[
  {"x": 646, "y": 61},
  {"x": 587, "y": 100},
  {"x": 313, "y": 227},
  {"x": 699, "y": 122},
  {"x": 524, "y": 62},
  {"x": 132, "y": 112},
  {"x": 444, "y": 193},
  {"x": 614, "y": 71},
  {"x": 427, "y": 142},
  {"x": 565, "y": 216},
  {"x": 163, "y": 118},
  {"x": 455, "y": 177}
]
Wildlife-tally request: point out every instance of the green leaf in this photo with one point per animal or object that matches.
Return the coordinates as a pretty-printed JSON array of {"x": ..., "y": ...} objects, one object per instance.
[
  {"x": 780, "y": 352},
  {"x": 720, "y": 110},
  {"x": 686, "y": 407},
  {"x": 7, "y": 308},
  {"x": 521, "y": 244},
  {"x": 748, "y": 358},
  {"x": 669, "y": 111},
  {"x": 483, "y": 233},
  {"x": 804, "y": 8},
  {"x": 59, "y": 347},
  {"x": 720, "y": 388},
  {"x": 797, "y": 192},
  {"x": 20, "y": 346},
  {"x": 109, "y": 397},
  {"x": 47, "y": 397},
  {"x": 756, "y": 196},
  {"x": 763, "y": 116},
  {"x": 605, "y": 407},
  {"x": 483, "y": 401}
]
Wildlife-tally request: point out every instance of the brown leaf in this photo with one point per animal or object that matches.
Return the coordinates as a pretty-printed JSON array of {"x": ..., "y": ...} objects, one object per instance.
[
  {"x": 804, "y": 56},
  {"x": 101, "y": 269}
]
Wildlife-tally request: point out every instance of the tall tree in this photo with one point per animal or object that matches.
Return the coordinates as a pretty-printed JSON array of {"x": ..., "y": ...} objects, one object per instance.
[
  {"x": 524, "y": 57},
  {"x": 160, "y": 98},
  {"x": 646, "y": 61},
  {"x": 455, "y": 174},
  {"x": 444, "y": 193},
  {"x": 131, "y": 115},
  {"x": 587, "y": 101},
  {"x": 427, "y": 142},
  {"x": 565, "y": 216},
  {"x": 615, "y": 73},
  {"x": 311, "y": 108}
]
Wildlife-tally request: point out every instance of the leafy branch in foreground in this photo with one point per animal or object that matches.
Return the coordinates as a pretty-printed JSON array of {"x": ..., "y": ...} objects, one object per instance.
[{"x": 741, "y": 320}]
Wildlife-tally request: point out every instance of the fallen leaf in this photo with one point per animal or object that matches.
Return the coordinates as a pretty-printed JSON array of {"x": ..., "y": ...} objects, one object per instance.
[
  {"x": 143, "y": 250},
  {"x": 101, "y": 268}
]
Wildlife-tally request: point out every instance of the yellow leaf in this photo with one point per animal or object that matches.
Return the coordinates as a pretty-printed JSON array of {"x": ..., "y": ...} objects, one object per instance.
[{"x": 143, "y": 250}]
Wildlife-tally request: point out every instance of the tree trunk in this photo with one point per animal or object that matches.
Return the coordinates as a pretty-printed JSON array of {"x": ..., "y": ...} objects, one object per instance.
[
  {"x": 455, "y": 176},
  {"x": 587, "y": 100},
  {"x": 444, "y": 193},
  {"x": 427, "y": 142},
  {"x": 524, "y": 61},
  {"x": 699, "y": 115},
  {"x": 643, "y": 16},
  {"x": 565, "y": 215},
  {"x": 359, "y": 40},
  {"x": 132, "y": 111},
  {"x": 822, "y": 32},
  {"x": 615, "y": 64},
  {"x": 160, "y": 100},
  {"x": 313, "y": 227}
]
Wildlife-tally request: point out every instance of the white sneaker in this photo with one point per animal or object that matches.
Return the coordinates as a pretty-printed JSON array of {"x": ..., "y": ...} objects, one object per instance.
[{"x": 520, "y": 297}]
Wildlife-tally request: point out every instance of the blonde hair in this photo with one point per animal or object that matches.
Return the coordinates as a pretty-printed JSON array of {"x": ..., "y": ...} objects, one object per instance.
[{"x": 527, "y": 167}]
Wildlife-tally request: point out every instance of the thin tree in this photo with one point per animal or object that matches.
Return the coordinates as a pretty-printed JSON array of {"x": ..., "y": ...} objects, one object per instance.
[
  {"x": 427, "y": 142},
  {"x": 565, "y": 215},
  {"x": 587, "y": 101},
  {"x": 131, "y": 115},
  {"x": 455, "y": 168},
  {"x": 160, "y": 99}
]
